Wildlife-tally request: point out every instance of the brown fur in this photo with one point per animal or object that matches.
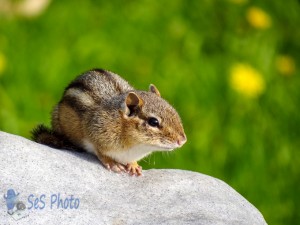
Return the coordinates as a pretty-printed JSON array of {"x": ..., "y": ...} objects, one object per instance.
[{"x": 102, "y": 113}]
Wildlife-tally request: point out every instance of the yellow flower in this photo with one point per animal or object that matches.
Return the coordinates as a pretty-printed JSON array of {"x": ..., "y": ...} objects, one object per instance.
[
  {"x": 285, "y": 65},
  {"x": 2, "y": 63},
  {"x": 258, "y": 18},
  {"x": 31, "y": 8},
  {"x": 246, "y": 80}
]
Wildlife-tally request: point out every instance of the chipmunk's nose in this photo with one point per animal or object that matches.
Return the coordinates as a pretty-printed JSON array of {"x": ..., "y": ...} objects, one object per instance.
[{"x": 181, "y": 140}]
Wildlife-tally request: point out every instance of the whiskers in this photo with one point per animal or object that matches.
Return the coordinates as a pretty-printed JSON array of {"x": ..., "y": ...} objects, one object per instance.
[{"x": 148, "y": 159}]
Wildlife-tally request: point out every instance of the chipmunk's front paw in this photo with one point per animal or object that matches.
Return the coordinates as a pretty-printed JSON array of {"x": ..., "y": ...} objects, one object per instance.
[
  {"x": 112, "y": 165},
  {"x": 134, "y": 169},
  {"x": 115, "y": 166}
]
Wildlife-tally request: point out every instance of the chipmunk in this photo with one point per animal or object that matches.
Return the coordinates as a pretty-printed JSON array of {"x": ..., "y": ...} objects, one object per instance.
[{"x": 102, "y": 114}]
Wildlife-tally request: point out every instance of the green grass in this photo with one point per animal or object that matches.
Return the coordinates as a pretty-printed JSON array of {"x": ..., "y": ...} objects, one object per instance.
[{"x": 186, "y": 48}]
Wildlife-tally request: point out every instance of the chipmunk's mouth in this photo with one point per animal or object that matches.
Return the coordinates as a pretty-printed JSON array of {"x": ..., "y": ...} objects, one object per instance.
[
  {"x": 168, "y": 147},
  {"x": 172, "y": 145}
]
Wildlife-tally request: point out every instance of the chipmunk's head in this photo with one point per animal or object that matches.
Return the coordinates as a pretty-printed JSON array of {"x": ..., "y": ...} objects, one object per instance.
[{"x": 152, "y": 123}]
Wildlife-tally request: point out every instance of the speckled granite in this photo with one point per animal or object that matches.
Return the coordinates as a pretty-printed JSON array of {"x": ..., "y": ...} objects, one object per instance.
[{"x": 52, "y": 183}]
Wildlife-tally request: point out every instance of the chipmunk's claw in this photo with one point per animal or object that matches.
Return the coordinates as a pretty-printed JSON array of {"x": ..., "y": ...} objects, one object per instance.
[
  {"x": 115, "y": 167},
  {"x": 134, "y": 169},
  {"x": 130, "y": 168}
]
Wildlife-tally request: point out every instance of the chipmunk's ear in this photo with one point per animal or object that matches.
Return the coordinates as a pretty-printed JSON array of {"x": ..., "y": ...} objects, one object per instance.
[
  {"x": 154, "y": 90},
  {"x": 132, "y": 103}
]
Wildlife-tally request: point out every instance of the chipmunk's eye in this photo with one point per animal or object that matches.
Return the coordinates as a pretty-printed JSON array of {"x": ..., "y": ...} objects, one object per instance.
[{"x": 153, "y": 122}]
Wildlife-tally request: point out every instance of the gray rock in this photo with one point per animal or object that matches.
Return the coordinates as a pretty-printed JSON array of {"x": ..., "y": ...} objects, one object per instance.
[{"x": 158, "y": 197}]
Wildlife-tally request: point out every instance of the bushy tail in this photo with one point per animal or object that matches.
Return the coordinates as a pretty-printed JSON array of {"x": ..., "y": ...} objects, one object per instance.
[{"x": 44, "y": 135}]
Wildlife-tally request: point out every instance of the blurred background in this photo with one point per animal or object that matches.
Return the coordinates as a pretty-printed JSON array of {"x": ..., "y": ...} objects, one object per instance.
[{"x": 230, "y": 67}]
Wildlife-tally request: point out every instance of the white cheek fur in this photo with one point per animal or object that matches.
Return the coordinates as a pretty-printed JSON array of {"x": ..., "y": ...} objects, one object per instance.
[{"x": 132, "y": 154}]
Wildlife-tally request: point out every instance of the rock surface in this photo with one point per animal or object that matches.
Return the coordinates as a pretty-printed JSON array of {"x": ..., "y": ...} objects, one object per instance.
[{"x": 49, "y": 182}]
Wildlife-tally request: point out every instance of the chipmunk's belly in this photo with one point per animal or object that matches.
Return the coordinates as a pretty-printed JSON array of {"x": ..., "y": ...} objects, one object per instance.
[
  {"x": 132, "y": 154},
  {"x": 88, "y": 146}
]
